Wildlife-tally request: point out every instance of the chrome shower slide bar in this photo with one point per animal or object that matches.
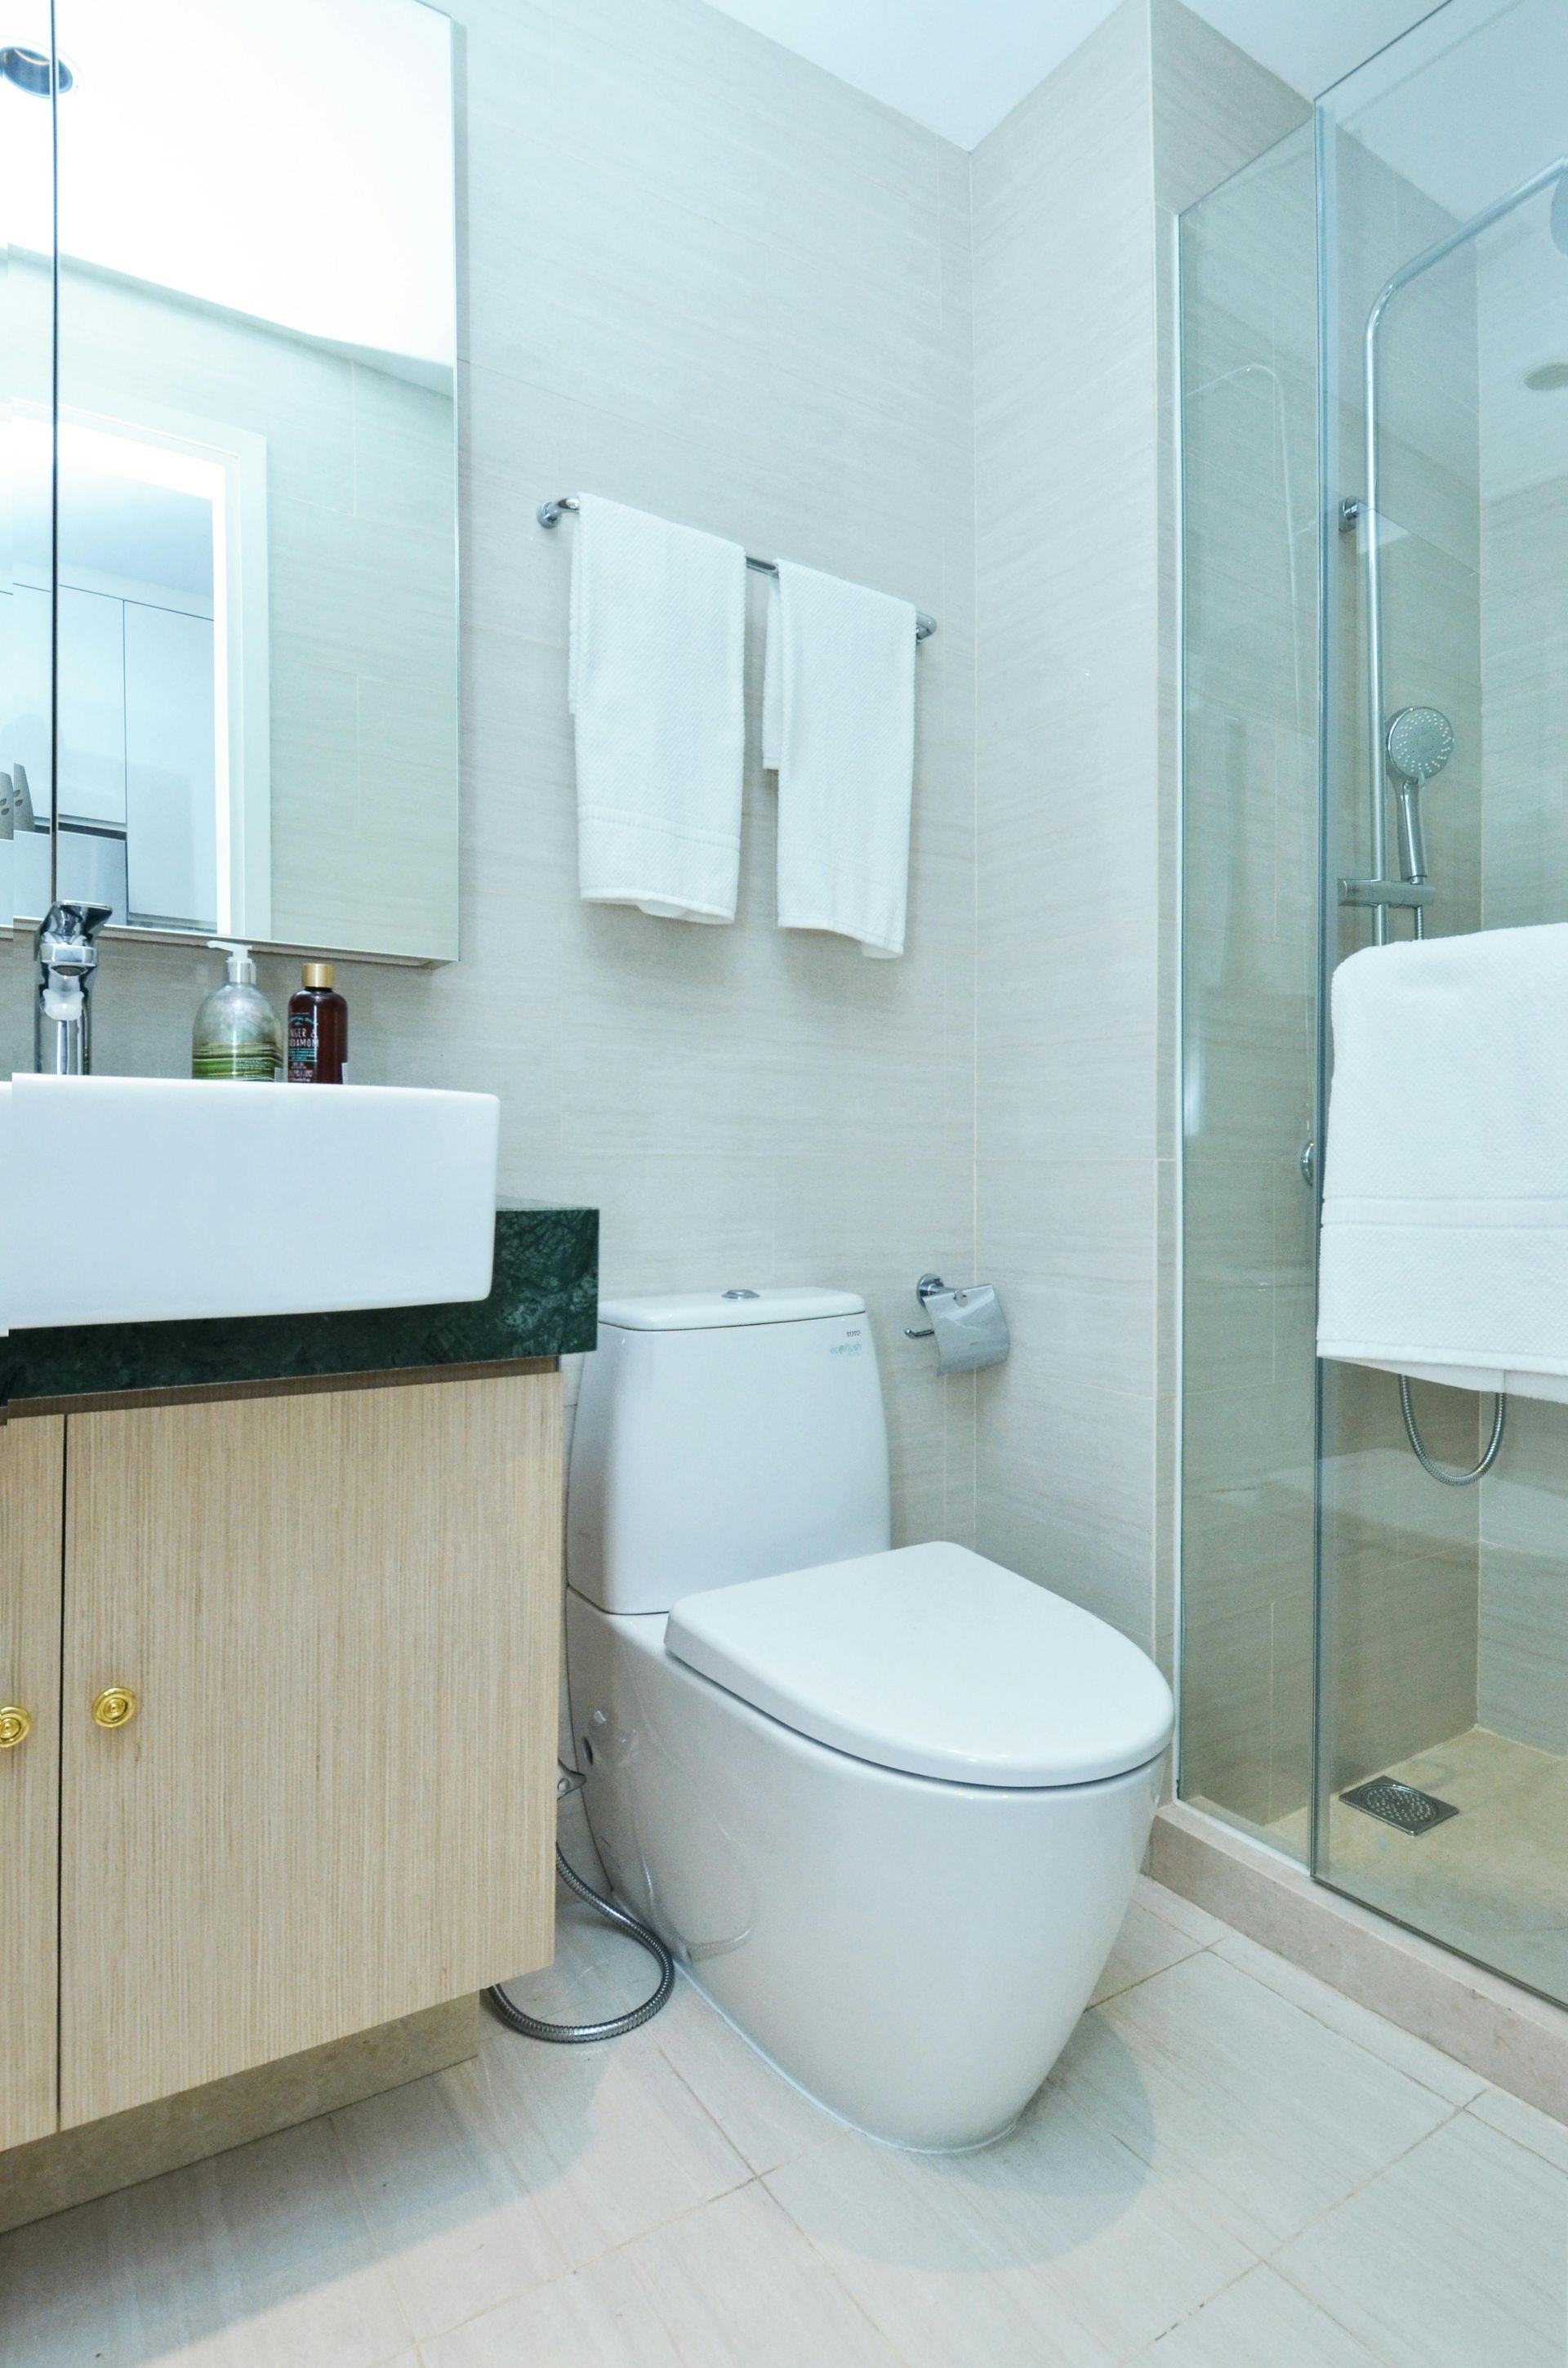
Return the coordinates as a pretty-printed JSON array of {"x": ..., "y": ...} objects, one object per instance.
[{"x": 549, "y": 514}]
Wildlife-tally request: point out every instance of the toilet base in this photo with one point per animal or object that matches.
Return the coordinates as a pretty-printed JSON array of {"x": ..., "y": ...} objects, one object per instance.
[
  {"x": 912, "y": 1954},
  {"x": 900, "y": 2146}
]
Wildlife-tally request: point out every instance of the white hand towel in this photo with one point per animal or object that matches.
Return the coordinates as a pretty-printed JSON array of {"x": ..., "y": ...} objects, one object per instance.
[
  {"x": 1445, "y": 1217},
  {"x": 657, "y": 689},
  {"x": 839, "y": 728}
]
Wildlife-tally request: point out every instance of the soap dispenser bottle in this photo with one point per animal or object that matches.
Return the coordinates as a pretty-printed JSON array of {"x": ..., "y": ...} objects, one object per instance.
[
  {"x": 318, "y": 1029},
  {"x": 237, "y": 1032}
]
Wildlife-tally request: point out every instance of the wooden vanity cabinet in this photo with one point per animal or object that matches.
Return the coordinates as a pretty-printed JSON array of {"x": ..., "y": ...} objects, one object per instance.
[
  {"x": 307, "y": 1730},
  {"x": 33, "y": 1465}
]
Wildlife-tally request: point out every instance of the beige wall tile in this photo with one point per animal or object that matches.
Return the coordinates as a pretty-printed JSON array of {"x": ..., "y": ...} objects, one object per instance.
[
  {"x": 1078, "y": 932},
  {"x": 1523, "y": 1629},
  {"x": 713, "y": 281}
]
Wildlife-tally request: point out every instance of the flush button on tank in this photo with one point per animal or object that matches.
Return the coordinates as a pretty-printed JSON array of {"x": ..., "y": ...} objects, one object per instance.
[{"x": 742, "y": 1294}]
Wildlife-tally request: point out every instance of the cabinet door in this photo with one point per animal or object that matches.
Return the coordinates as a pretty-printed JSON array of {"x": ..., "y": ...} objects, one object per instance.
[
  {"x": 32, "y": 1454},
  {"x": 334, "y": 1802}
]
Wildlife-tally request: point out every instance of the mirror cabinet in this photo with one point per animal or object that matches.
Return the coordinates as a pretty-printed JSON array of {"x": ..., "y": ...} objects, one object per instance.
[{"x": 229, "y": 648}]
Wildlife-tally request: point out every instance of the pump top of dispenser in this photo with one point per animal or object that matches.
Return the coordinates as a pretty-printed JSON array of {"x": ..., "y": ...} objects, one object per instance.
[{"x": 242, "y": 962}]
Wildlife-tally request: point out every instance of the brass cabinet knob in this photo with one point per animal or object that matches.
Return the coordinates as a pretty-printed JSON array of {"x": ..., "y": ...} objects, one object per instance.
[
  {"x": 15, "y": 1725},
  {"x": 115, "y": 1706}
]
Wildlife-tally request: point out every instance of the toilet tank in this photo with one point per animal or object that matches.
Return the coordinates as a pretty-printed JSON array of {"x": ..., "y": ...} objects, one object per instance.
[{"x": 722, "y": 1439}]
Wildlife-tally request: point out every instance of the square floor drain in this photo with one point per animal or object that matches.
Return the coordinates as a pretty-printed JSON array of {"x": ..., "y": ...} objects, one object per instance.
[{"x": 1405, "y": 1805}]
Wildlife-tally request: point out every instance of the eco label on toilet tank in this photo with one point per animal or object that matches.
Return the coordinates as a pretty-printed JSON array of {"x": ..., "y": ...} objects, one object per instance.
[{"x": 850, "y": 1348}]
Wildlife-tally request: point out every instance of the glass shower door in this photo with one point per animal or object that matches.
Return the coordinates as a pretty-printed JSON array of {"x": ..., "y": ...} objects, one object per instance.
[
  {"x": 1249, "y": 989},
  {"x": 1442, "y": 1762}
]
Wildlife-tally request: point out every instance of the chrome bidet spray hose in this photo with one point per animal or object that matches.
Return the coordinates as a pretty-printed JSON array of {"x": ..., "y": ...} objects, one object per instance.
[{"x": 581, "y": 2035}]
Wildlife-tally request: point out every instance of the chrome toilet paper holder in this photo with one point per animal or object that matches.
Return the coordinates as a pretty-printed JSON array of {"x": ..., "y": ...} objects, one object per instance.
[
  {"x": 967, "y": 1325},
  {"x": 923, "y": 1290}
]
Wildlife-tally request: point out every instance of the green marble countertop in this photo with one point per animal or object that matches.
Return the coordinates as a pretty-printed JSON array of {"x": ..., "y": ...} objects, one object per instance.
[{"x": 543, "y": 1302}]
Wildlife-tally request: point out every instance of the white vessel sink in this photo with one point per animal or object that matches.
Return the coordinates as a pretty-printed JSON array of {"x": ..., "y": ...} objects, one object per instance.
[{"x": 131, "y": 1200}]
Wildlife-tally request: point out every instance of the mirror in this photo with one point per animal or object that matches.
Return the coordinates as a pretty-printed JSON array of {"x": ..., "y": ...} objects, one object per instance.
[
  {"x": 255, "y": 587},
  {"x": 26, "y": 331}
]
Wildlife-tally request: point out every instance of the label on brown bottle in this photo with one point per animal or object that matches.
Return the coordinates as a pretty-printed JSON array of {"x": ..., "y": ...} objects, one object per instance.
[{"x": 304, "y": 1047}]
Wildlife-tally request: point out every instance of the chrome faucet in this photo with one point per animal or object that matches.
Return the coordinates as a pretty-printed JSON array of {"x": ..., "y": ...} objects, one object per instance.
[{"x": 67, "y": 964}]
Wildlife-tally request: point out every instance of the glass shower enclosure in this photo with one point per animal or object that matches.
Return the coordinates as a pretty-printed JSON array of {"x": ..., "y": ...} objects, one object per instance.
[{"x": 1374, "y": 418}]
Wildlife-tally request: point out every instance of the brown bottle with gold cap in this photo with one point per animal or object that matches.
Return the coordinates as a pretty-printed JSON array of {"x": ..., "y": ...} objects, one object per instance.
[{"x": 318, "y": 1030}]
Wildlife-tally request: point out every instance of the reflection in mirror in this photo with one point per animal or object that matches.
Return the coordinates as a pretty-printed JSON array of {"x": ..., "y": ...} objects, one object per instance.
[
  {"x": 256, "y": 731},
  {"x": 27, "y": 262}
]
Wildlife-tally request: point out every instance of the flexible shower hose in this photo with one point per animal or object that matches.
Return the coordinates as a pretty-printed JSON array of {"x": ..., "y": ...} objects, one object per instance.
[
  {"x": 1453, "y": 1479},
  {"x": 578, "y": 2035}
]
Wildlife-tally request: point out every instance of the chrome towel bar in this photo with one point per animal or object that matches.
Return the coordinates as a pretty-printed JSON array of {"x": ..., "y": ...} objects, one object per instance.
[{"x": 549, "y": 514}]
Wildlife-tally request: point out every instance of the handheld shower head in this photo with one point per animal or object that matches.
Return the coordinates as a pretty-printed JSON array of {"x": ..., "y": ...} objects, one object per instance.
[{"x": 1419, "y": 742}]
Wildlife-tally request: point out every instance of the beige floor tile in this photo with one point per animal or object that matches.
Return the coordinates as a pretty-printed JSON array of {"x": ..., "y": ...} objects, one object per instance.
[
  {"x": 1493, "y": 1883},
  {"x": 1473, "y": 1768},
  {"x": 590, "y": 2318},
  {"x": 1224, "y": 2085},
  {"x": 1185, "y": 1914},
  {"x": 732, "y": 2285},
  {"x": 1456, "y": 2257},
  {"x": 1490, "y": 1882},
  {"x": 608, "y": 2140},
  {"x": 452, "y": 2220},
  {"x": 257, "y": 2259},
  {"x": 1481, "y": 1774},
  {"x": 1056, "y": 2248},
  {"x": 1148, "y": 1941},
  {"x": 1410, "y": 2055},
  {"x": 765, "y": 2119},
  {"x": 1260, "y": 2322},
  {"x": 1523, "y": 2124},
  {"x": 563, "y": 2208}
]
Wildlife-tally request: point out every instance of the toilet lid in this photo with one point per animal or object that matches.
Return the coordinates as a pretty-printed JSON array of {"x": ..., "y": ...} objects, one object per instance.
[{"x": 934, "y": 1661}]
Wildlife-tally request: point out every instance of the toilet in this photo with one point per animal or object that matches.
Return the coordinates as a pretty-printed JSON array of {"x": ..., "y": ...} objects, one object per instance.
[{"x": 887, "y": 1806}]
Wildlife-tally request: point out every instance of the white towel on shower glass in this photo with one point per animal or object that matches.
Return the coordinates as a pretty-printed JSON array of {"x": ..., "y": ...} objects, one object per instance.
[
  {"x": 839, "y": 728},
  {"x": 657, "y": 690},
  {"x": 1445, "y": 1213}
]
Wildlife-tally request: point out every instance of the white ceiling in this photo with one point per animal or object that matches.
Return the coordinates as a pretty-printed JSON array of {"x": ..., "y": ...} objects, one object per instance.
[{"x": 959, "y": 66}]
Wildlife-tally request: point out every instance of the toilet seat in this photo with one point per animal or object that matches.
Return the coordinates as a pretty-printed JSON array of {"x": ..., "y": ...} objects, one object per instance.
[{"x": 933, "y": 1661}]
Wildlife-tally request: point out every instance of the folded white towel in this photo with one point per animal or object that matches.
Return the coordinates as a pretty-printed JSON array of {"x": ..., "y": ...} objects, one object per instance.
[
  {"x": 839, "y": 728},
  {"x": 1445, "y": 1217},
  {"x": 657, "y": 686}
]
